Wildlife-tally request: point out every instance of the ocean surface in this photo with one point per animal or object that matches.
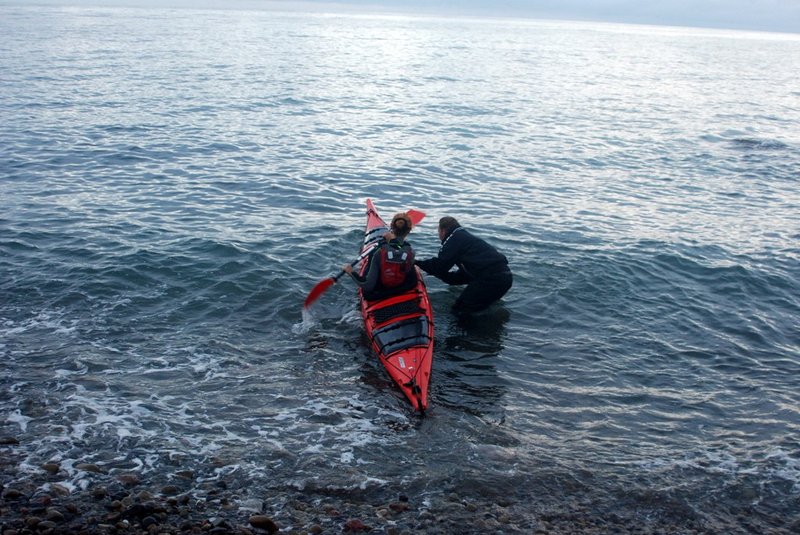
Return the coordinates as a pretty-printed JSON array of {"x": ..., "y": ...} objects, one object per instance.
[{"x": 174, "y": 182}]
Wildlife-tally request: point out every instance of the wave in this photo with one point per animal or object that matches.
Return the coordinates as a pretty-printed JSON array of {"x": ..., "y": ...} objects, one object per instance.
[{"x": 756, "y": 144}]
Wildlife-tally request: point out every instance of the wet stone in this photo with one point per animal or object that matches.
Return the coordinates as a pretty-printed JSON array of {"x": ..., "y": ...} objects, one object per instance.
[
  {"x": 12, "y": 494},
  {"x": 55, "y": 515},
  {"x": 51, "y": 468},
  {"x": 221, "y": 523},
  {"x": 140, "y": 510},
  {"x": 221, "y": 461},
  {"x": 169, "y": 490},
  {"x": 354, "y": 525},
  {"x": 399, "y": 507},
  {"x": 263, "y": 522},
  {"x": 60, "y": 490},
  {"x": 129, "y": 480},
  {"x": 252, "y": 505},
  {"x": 88, "y": 467}
]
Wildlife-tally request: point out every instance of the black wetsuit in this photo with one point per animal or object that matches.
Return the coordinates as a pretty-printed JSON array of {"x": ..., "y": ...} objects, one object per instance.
[
  {"x": 370, "y": 282},
  {"x": 481, "y": 267}
]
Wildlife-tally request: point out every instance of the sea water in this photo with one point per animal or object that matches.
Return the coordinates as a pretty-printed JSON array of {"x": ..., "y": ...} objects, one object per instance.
[{"x": 174, "y": 182}]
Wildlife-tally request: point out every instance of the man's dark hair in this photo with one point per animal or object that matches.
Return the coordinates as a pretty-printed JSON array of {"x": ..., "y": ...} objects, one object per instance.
[{"x": 448, "y": 223}]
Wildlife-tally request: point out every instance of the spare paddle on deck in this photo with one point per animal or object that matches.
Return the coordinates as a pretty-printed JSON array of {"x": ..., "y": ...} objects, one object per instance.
[{"x": 322, "y": 286}]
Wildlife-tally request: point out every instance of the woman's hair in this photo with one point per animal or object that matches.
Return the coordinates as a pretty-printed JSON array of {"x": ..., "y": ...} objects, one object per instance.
[{"x": 401, "y": 225}]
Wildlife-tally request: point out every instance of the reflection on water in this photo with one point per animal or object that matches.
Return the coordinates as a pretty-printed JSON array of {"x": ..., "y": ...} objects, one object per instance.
[{"x": 466, "y": 360}]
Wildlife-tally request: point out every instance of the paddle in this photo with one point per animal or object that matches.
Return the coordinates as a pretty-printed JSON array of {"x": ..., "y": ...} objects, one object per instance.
[
  {"x": 322, "y": 286},
  {"x": 416, "y": 216}
]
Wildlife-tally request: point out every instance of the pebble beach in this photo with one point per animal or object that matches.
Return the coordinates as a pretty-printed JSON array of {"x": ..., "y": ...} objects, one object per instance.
[{"x": 125, "y": 503}]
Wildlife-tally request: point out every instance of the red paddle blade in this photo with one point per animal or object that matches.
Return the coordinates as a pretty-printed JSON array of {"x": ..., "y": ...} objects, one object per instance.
[
  {"x": 318, "y": 290},
  {"x": 416, "y": 216}
]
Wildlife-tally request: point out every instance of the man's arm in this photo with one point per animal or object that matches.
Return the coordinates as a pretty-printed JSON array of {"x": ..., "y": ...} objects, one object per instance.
[{"x": 440, "y": 265}]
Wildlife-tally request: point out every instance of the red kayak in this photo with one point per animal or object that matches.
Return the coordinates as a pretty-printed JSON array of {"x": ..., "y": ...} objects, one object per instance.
[{"x": 400, "y": 328}]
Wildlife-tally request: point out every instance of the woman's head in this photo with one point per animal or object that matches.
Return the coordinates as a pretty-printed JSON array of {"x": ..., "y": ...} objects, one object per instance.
[{"x": 401, "y": 225}]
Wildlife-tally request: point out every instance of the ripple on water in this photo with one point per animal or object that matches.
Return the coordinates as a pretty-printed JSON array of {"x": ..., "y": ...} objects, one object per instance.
[{"x": 165, "y": 216}]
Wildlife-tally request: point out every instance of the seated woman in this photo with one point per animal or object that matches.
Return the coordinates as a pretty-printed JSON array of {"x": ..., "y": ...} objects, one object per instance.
[{"x": 390, "y": 267}]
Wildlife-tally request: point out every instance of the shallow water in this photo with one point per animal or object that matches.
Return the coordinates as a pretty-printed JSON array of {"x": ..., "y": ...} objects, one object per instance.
[{"x": 168, "y": 199}]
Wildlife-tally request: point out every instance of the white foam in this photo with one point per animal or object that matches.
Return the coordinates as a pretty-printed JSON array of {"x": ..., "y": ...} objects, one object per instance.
[
  {"x": 70, "y": 486},
  {"x": 776, "y": 464},
  {"x": 252, "y": 505},
  {"x": 788, "y": 467},
  {"x": 18, "y": 387},
  {"x": 372, "y": 481},
  {"x": 331, "y": 430},
  {"x": 18, "y": 418},
  {"x": 352, "y": 317},
  {"x": 305, "y": 326},
  {"x": 48, "y": 320},
  {"x": 722, "y": 462}
]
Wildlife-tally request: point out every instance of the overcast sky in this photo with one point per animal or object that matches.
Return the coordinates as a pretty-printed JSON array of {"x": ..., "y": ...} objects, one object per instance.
[
  {"x": 766, "y": 15},
  {"x": 769, "y": 15}
]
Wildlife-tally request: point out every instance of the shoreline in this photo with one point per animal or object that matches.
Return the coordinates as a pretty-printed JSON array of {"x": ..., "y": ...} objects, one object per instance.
[{"x": 127, "y": 503}]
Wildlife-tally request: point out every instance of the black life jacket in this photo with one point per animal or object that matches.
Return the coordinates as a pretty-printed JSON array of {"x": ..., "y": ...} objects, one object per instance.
[{"x": 396, "y": 262}]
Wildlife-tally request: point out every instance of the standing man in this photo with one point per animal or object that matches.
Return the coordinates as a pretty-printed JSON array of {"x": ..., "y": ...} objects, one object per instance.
[{"x": 480, "y": 266}]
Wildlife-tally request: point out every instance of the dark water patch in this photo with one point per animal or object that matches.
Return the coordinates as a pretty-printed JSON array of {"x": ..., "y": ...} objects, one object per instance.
[
  {"x": 756, "y": 144},
  {"x": 460, "y": 110},
  {"x": 17, "y": 247}
]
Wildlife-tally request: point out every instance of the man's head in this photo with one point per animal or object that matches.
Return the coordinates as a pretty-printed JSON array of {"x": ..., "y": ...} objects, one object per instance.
[
  {"x": 401, "y": 225},
  {"x": 447, "y": 225}
]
